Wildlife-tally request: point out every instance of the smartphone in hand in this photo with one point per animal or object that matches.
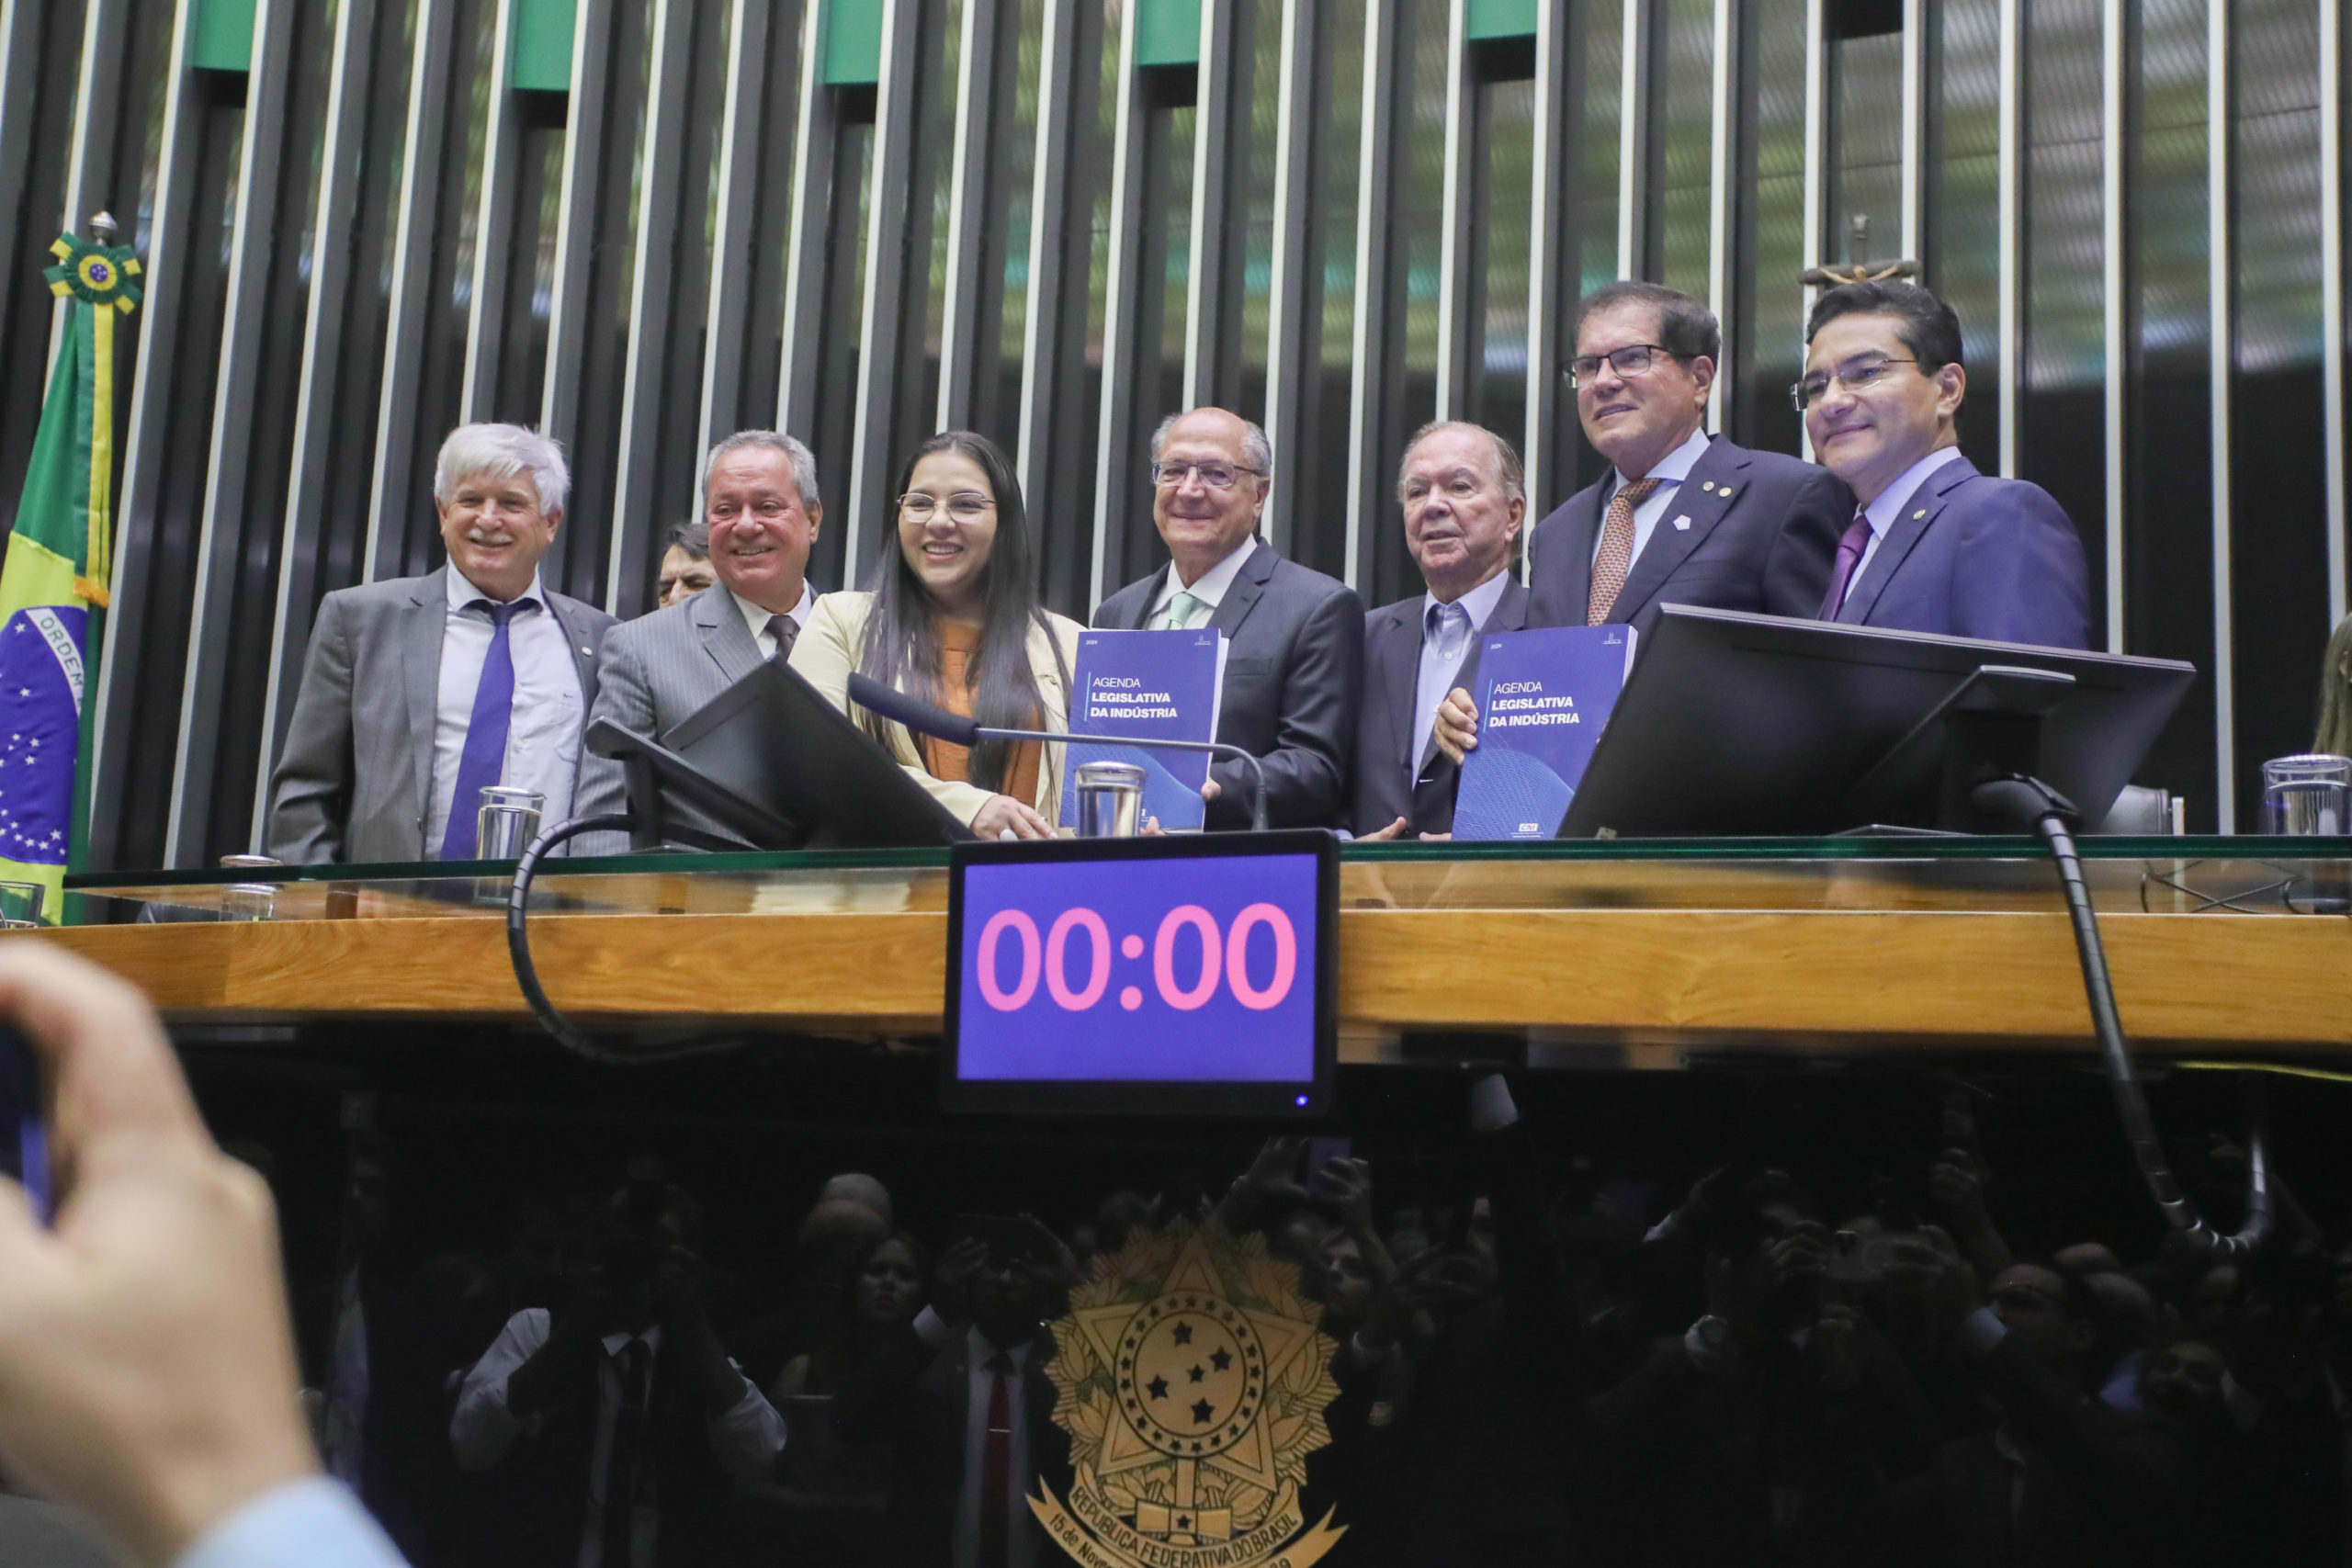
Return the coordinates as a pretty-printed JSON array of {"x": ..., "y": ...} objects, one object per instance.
[{"x": 24, "y": 1136}]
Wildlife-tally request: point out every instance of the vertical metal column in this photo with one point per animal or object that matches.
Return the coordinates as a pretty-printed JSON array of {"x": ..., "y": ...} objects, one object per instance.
[
  {"x": 1632, "y": 121},
  {"x": 2008, "y": 378},
  {"x": 662, "y": 171},
  {"x": 1454, "y": 247},
  {"x": 2113, "y": 276},
  {"x": 494, "y": 230},
  {"x": 1915, "y": 125},
  {"x": 1206, "y": 283},
  {"x": 1721, "y": 190},
  {"x": 2223, "y": 327},
  {"x": 1365, "y": 489},
  {"x": 588, "y": 109},
  {"x": 1547, "y": 213},
  {"x": 883, "y": 316},
  {"x": 158, "y": 325},
  {"x": 1114, "y": 464},
  {"x": 323, "y": 351},
  {"x": 728, "y": 310},
  {"x": 1288, "y": 372},
  {"x": 1049, "y": 200},
  {"x": 1816, "y": 151},
  {"x": 2331, "y": 265},
  {"x": 960, "y": 355},
  {"x": 19, "y": 61},
  {"x": 227, "y": 496},
  {"x": 411, "y": 269},
  {"x": 98, "y": 106},
  {"x": 812, "y": 197}
]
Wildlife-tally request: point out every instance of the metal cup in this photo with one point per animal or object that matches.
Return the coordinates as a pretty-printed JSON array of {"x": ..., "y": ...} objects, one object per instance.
[
  {"x": 1110, "y": 800},
  {"x": 509, "y": 820},
  {"x": 2307, "y": 794},
  {"x": 20, "y": 905}
]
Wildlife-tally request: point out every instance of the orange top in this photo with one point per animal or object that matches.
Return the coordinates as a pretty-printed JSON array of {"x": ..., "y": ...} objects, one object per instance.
[{"x": 944, "y": 760}]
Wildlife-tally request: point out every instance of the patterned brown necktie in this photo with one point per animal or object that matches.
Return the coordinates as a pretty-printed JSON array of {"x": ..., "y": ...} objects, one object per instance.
[{"x": 1616, "y": 557}]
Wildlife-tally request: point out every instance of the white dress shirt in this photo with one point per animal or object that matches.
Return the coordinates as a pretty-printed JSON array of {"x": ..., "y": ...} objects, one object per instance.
[
  {"x": 745, "y": 1438},
  {"x": 1890, "y": 505},
  {"x": 542, "y": 737},
  {"x": 1670, "y": 471},
  {"x": 315, "y": 1523},
  {"x": 756, "y": 617},
  {"x": 1207, "y": 594},
  {"x": 1020, "y": 1532},
  {"x": 1439, "y": 669}
]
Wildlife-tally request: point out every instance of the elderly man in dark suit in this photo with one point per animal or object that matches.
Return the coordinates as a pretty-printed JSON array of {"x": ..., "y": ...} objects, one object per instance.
[
  {"x": 760, "y": 504},
  {"x": 1294, "y": 670},
  {"x": 1681, "y": 518},
  {"x": 1933, "y": 544},
  {"x": 418, "y": 692},
  {"x": 1464, "y": 496}
]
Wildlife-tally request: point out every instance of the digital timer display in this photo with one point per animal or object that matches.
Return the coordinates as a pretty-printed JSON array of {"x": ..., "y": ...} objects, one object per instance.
[{"x": 1090, "y": 964}]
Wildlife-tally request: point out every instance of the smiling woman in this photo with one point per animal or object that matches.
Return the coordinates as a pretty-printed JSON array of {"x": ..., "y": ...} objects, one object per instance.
[{"x": 954, "y": 618}]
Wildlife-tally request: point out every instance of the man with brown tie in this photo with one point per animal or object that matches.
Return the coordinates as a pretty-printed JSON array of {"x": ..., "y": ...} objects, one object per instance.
[{"x": 1681, "y": 517}]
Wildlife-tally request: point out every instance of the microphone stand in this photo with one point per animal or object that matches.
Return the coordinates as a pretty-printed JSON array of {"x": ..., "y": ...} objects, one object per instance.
[{"x": 926, "y": 719}]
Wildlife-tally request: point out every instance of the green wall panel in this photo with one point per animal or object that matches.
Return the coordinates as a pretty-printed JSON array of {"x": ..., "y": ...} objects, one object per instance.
[
  {"x": 1168, "y": 32},
  {"x": 223, "y": 37},
  {"x": 538, "y": 45},
  {"x": 853, "y": 43},
  {"x": 1500, "y": 19}
]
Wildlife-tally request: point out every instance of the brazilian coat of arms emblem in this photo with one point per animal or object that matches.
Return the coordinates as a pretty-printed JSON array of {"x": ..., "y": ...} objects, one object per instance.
[{"x": 1192, "y": 1378}]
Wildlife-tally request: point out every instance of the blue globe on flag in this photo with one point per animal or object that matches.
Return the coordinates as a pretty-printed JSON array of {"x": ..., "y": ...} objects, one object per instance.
[{"x": 40, "y": 707}]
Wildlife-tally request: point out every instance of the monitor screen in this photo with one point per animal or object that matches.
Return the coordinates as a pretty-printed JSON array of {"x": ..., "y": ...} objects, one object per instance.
[{"x": 1189, "y": 974}]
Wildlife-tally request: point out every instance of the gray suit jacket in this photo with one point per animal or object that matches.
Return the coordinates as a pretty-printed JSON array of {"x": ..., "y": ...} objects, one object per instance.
[
  {"x": 1293, "y": 680},
  {"x": 355, "y": 782},
  {"x": 1391, "y": 781},
  {"x": 658, "y": 671}
]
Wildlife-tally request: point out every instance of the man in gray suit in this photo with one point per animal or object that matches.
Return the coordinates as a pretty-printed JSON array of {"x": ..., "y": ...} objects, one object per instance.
[
  {"x": 1293, "y": 670},
  {"x": 419, "y": 691},
  {"x": 759, "y": 499},
  {"x": 1465, "y": 495}
]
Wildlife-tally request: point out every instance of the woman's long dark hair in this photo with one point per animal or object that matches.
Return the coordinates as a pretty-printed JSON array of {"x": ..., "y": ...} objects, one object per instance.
[{"x": 902, "y": 644}]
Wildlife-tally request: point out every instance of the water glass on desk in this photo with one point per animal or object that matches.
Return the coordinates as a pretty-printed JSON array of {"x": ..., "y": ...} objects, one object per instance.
[
  {"x": 2305, "y": 796},
  {"x": 508, "y": 822},
  {"x": 248, "y": 900},
  {"x": 20, "y": 905}
]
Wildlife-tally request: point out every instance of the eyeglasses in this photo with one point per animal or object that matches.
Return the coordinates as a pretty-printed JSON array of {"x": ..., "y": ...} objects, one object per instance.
[
  {"x": 1855, "y": 376},
  {"x": 1630, "y": 360},
  {"x": 963, "y": 506},
  {"x": 1217, "y": 476}
]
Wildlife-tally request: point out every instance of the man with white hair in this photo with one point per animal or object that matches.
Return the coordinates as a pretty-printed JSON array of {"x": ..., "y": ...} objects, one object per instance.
[
  {"x": 420, "y": 692},
  {"x": 760, "y": 500}
]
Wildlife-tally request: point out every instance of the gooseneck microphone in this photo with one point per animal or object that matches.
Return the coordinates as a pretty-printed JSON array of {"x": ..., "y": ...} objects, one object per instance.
[{"x": 924, "y": 718}]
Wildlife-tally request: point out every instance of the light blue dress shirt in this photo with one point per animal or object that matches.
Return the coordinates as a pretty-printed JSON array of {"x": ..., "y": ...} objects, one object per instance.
[{"x": 304, "y": 1524}]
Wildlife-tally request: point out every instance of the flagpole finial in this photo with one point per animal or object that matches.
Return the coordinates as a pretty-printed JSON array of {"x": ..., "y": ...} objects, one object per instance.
[{"x": 103, "y": 228}]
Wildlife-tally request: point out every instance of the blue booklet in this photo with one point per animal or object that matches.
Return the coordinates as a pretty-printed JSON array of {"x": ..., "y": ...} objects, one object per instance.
[
  {"x": 1543, "y": 697},
  {"x": 1156, "y": 685}
]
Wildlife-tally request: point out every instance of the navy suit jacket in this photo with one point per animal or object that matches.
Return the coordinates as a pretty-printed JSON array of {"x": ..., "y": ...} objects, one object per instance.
[
  {"x": 1762, "y": 535},
  {"x": 1391, "y": 781},
  {"x": 1294, "y": 680},
  {"x": 1978, "y": 557}
]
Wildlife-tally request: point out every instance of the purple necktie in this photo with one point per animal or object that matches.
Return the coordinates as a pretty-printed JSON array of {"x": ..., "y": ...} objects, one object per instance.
[
  {"x": 1849, "y": 554},
  {"x": 484, "y": 758}
]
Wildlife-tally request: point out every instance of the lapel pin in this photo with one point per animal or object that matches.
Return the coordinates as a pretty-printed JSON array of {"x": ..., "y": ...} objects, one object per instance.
[
  {"x": 1682, "y": 523},
  {"x": 1917, "y": 515},
  {"x": 1707, "y": 485},
  {"x": 1726, "y": 492}
]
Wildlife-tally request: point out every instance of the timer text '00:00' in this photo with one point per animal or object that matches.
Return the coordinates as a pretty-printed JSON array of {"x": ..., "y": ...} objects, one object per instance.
[{"x": 1224, "y": 957}]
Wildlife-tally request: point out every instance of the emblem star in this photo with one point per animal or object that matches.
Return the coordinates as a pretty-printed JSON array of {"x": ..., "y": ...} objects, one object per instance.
[
  {"x": 1221, "y": 1360},
  {"x": 1199, "y": 1371},
  {"x": 1202, "y": 1411},
  {"x": 1183, "y": 1334},
  {"x": 1158, "y": 1387}
]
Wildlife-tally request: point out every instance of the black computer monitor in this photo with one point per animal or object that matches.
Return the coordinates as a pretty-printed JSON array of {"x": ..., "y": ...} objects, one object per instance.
[
  {"x": 775, "y": 763},
  {"x": 1735, "y": 724}
]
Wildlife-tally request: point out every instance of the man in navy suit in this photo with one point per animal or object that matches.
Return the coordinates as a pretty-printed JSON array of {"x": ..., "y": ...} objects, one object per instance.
[
  {"x": 1679, "y": 518},
  {"x": 1465, "y": 495},
  {"x": 1934, "y": 545}
]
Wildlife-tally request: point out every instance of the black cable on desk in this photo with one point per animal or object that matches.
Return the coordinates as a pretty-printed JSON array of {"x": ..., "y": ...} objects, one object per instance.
[
  {"x": 526, "y": 975},
  {"x": 2048, "y": 811}
]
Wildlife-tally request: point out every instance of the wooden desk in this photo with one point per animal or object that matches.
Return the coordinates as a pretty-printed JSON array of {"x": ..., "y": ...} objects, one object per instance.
[{"x": 1653, "y": 959}]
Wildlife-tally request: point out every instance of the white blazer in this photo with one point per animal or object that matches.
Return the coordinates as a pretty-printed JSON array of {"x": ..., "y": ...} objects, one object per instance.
[{"x": 831, "y": 642}]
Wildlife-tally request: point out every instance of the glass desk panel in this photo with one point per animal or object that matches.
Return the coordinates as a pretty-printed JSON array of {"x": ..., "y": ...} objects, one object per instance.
[{"x": 2219, "y": 875}]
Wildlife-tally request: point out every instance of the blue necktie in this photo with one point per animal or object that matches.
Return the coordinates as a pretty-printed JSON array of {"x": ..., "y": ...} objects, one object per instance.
[{"x": 486, "y": 755}]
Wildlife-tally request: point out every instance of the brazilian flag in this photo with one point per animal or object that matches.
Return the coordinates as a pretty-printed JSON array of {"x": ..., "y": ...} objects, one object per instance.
[{"x": 53, "y": 581}]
